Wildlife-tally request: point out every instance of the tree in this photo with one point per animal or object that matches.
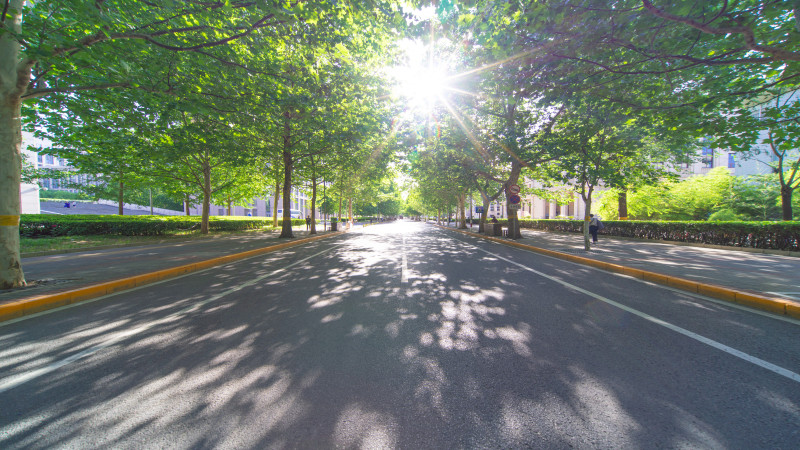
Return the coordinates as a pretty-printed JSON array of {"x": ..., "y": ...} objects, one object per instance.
[
  {"x": 74, "y": 47},
  {"x": 604, "y": 146},
  {"x": 769, "y": 128},
  {"x": 100, "y": 136}
]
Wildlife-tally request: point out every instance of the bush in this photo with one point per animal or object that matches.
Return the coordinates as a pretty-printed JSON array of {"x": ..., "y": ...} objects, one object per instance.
[
  {"x": 36, "y": 225},
  {"x": 727, "y": 215},
  {"x": 764, "y": 235}
]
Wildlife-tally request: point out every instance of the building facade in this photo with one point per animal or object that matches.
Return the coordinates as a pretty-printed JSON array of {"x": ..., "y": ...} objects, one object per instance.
[{"x": 262, "y": 207}]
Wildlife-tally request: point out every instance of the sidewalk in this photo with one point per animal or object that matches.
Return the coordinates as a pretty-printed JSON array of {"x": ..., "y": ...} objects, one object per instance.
[
  {"x": 757, "y": 273},
  {"x": 57, "y": 273}
]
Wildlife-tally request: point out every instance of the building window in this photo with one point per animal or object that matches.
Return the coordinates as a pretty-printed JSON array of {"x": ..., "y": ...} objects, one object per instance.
[
  {"x": 731, "y": 161},
  {"x": 221, "y": 212},
  {"x": 39, "y": 158},
  {"x": 708, "y": 157},
  {"x": 49, "y": 159},
  {"x": 255, "y": 212}
]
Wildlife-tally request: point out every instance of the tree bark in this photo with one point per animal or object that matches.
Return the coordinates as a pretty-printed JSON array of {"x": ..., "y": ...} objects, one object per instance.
[
  {"x": 313, "y": 199},
  {"x": 463, "y": 216},
  {"x": 485, "y": 202},
  {"x": 275, "y": 202},
  {"x": 288, "y": 167},
  {"x": 286, "y": 220},
  {"x": 186, "y": 204},
  {"x": 623, "y": 204},
  {"x": 121, "y": 197},
  {"x": 513, "y": 221},
  {"x": 14, "y": 77},
  {"x": 206, "y": 195},
  {"x": 587, "y": 199},
  {"x": 350, "y": 212},
  {"x": 786, "y": 202}
]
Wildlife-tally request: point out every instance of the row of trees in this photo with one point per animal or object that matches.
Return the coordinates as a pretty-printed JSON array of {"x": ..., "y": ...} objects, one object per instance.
[
  {"x": 612, "y": 94},
  {"x": 222, "y": 100}
]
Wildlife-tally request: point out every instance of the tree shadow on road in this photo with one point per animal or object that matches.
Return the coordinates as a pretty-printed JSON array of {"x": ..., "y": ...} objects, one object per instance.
[{"x": 350, "y": 350}]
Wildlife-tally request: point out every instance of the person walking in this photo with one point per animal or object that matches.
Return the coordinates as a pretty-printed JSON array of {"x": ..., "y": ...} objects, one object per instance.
[
  {"x": 594, "y": 225},
  {"x": 308, "y": 223}
]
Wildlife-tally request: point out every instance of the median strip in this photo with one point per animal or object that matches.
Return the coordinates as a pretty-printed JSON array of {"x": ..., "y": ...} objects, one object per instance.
[
  {"x": 770, "y": 304},
  {"x": 44, "y": 302}
]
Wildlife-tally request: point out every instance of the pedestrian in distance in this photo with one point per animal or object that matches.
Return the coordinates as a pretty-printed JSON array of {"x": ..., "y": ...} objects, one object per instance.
[
  {"x": 308, "y": 222},
  {"x": 594, "y": 225}
]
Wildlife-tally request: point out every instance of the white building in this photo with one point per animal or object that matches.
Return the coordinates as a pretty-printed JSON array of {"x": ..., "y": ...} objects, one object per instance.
[
  {"x": 29, "y": 192},
  {"x": 260, "y": 207}
]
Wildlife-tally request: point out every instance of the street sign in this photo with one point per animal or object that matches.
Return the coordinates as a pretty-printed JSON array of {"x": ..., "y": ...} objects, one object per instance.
[
  {"x": 479, "y": 209},
  {"x": 514, "y": 189},
  {"x": 514, "y": 199},
  {"x": 514, "y": 206}
]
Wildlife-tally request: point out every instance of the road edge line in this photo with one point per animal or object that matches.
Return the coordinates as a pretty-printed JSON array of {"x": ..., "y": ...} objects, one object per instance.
[
  {"x": 769, "y": 304},
  {"x": 39, "y": 303}
]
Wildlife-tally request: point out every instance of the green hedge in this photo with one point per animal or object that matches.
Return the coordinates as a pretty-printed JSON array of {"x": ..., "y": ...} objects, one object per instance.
[
  {"x": 35, "y": 225},
  {"x": 764, "y": 235}
]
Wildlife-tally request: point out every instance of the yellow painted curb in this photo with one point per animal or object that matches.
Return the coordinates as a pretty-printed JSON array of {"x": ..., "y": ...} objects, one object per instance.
[
  {"x": 764, "y": 303},
  {"x": 9, "y": 221},
  {"x": 40, "y": 303}
]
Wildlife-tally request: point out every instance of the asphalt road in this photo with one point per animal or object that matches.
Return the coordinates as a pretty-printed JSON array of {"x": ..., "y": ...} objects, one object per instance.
[{"x": 401, "y": 336}]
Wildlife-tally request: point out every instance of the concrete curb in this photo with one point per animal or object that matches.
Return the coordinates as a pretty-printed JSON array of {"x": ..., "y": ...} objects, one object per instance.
[
  {"x": 44, "y": 302},
  {"x": 770, "y": 304}
]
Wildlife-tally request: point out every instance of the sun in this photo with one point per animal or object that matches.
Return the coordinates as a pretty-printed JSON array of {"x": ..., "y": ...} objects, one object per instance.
[{"x": 418, "y": 79}]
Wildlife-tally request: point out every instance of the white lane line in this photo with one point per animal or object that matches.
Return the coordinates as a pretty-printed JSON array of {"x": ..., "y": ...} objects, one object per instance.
[
  {"x": 404, "y": 266},
  {"x": 12, "y": 382},
  {"x": 719, "y": 346}
]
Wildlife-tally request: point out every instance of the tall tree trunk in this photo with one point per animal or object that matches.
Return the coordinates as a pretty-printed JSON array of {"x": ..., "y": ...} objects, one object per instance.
[
  {"x": 206, "y": 195},
  {"x": 186, "y": 204},
  {"x": 623, "y": 204},
  {"x": 121, "y": 197},
  {"x": 349, "y": 212},
  {"x": 14, "y": 77},
  {"x": 786, "y": 202},
  {"x": 485, "y": 202},
  {"x": 286, "y": 220},
  {"x": 313, "y": 198},
  {"x": 341, "y": 197},
  {"x": 275, "y": 202},
  {"x": 288, "y": 167},
  {"x": 230, "y": 206},
  {"x": 463, "y": 216},
  {"x": 587, "y": 199},
  {"x": 513, "y": 221}
]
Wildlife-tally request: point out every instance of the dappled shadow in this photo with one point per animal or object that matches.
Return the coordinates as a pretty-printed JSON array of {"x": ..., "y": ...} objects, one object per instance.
[
  {"x": 732, "y": 268},
  {"x": 401, "y": 337}
]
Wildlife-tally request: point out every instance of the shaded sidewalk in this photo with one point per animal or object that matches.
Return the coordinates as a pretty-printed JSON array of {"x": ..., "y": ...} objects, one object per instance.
[
  {"x": 57, "y": 273},
  {"x": 758, "y": 273}
]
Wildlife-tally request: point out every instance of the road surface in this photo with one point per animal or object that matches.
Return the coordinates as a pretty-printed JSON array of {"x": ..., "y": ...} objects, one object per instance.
[{"x": 402, "y": 335}]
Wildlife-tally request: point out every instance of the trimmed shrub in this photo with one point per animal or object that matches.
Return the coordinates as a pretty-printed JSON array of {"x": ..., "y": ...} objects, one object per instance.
[
  {"x": 764, "y": 235},
  {"x": 34, "y": 225}
]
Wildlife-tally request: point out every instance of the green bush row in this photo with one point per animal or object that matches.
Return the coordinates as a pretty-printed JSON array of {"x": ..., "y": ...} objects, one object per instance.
[
  {"x": 35, "y": 225},
  {"x": 763, "y": 235}
]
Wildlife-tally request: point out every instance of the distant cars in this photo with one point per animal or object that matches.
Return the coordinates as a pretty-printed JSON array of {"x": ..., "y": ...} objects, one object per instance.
[{"x": 293, "y": 213}]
